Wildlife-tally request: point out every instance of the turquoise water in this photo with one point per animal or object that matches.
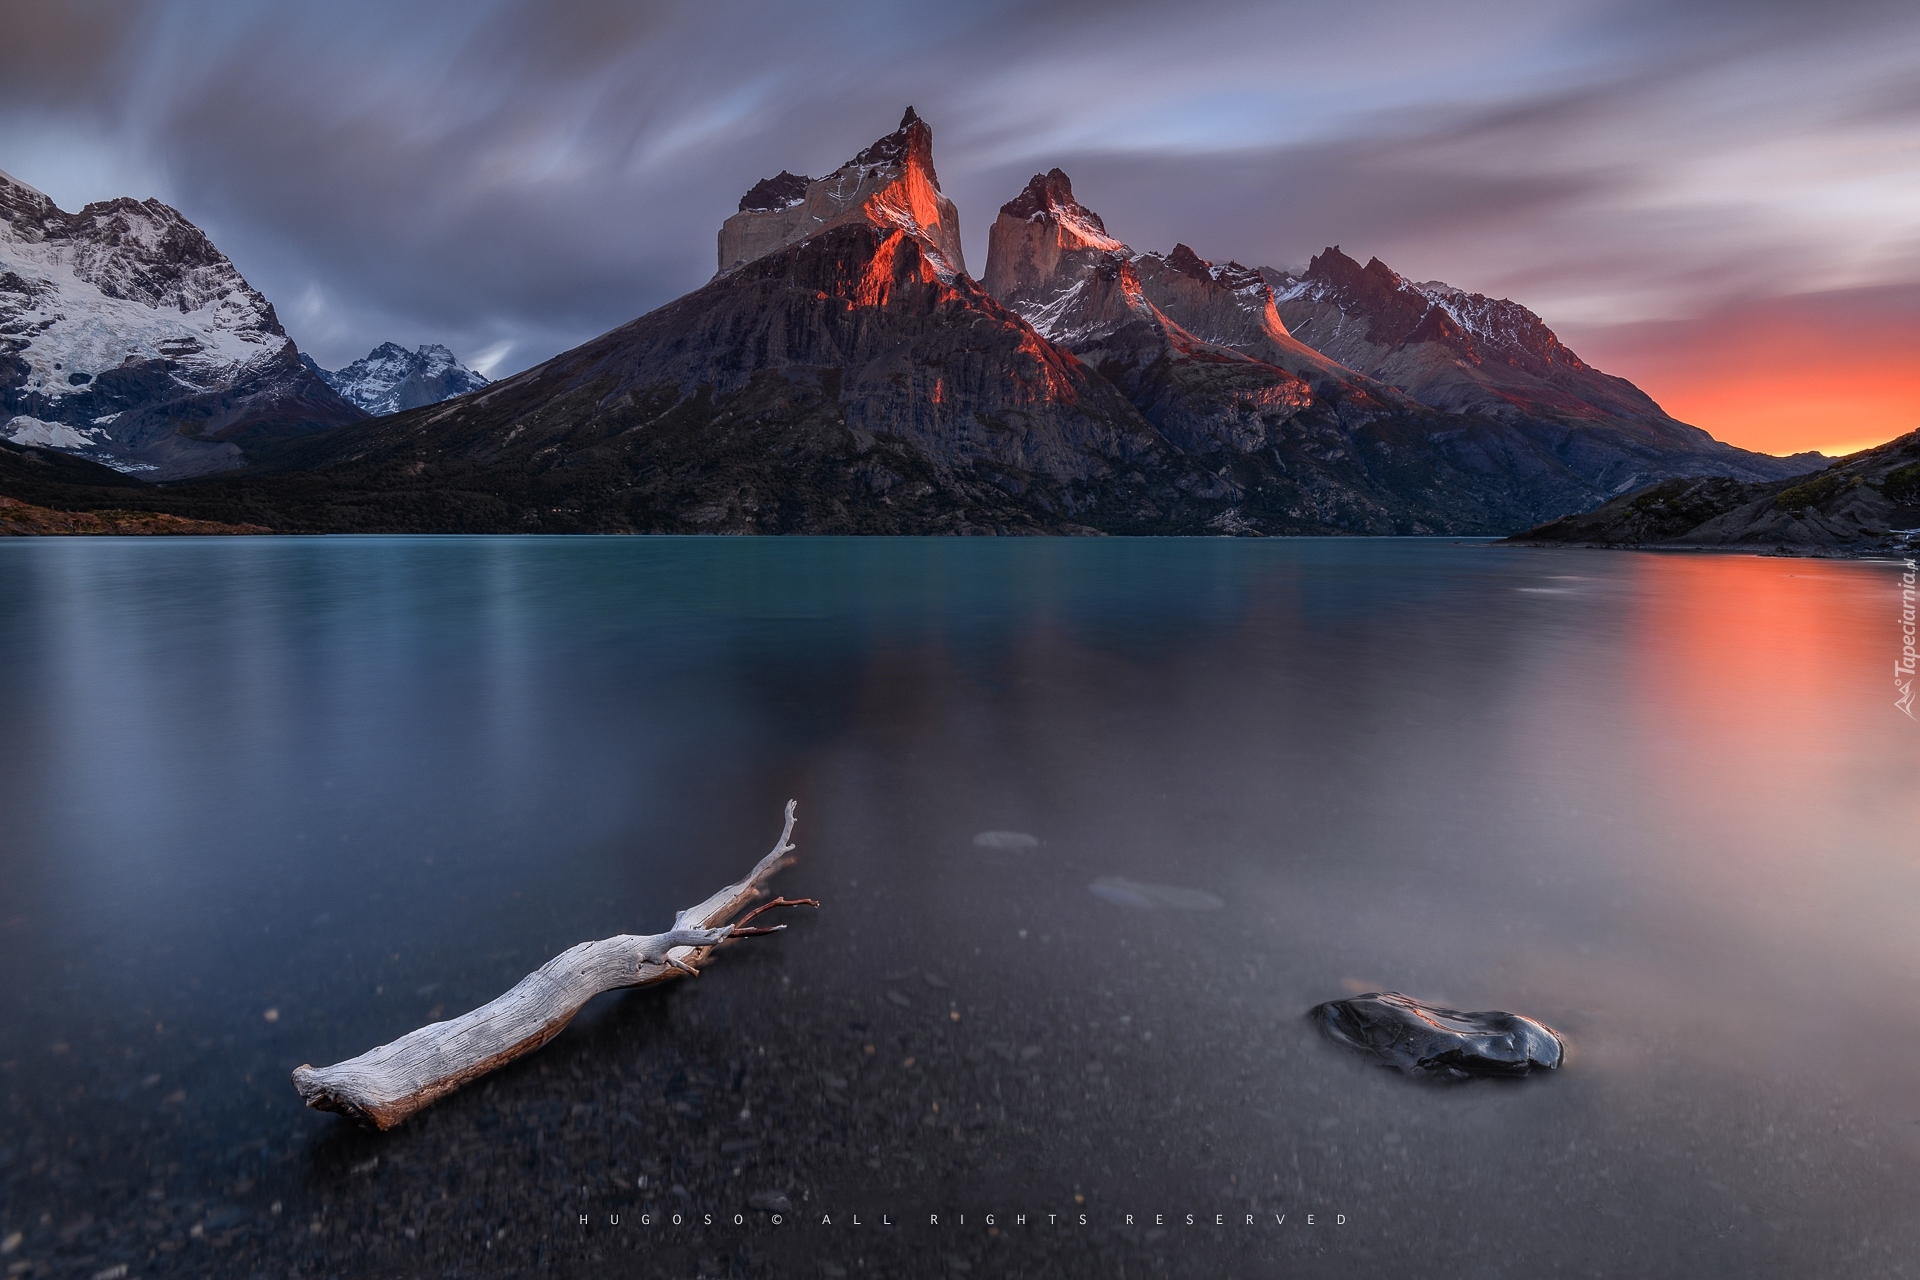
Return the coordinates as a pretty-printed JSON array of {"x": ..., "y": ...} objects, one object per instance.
[{"x": 272, "y": 801}]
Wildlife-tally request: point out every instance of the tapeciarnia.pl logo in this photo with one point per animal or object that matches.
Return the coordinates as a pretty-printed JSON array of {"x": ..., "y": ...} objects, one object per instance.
[{"x": 1903, "y": 667}]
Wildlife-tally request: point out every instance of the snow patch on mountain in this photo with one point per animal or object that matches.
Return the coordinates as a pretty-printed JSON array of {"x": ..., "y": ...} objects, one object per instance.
[
  {"x": 49, "y": 435},
  {"x": 1504, "y": 326},
  {"x": 1398, "y": 309},
  {"x": 1049, "y": 319}
]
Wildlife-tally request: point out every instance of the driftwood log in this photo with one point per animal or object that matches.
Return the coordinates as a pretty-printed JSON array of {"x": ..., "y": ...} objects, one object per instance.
[{"x": 383, "y": 1086}]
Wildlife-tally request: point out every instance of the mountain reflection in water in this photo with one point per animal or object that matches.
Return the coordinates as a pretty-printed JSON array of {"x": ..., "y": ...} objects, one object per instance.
[{"x": 1135, "y": 805}]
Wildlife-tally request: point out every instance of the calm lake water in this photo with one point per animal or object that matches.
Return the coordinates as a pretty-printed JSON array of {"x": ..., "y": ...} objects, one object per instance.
[{"x": 272, "y": 801}]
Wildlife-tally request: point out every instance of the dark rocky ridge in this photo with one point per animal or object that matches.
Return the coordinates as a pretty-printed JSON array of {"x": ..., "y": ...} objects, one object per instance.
[
  {"x": 781, "y": 191},
  {"x": 1866, "y": 504},
  {"x": 1233, "y": 306},
  {"x": 1466, "y": 353}
]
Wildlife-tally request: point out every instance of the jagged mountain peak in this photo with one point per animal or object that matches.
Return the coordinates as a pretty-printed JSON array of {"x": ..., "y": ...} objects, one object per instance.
[
  {"x": 1230, "y": 274},
  {"x": 142, "y": 251},
  {"x": 1043, "y": 241},
  {"x": 890, "y": 184},
  {"x": 1459, "y": 351},
  {"x": 1400, "y": 313},
  {"x": 392, "y": 379},
  {"x": 1333, "y": 267},
  {"x": 1230, "y": 305},
  {"x": 1051, "y": 258},
  {"x": 911, "y": 143},
  {"x": 1050, "y": 195}
]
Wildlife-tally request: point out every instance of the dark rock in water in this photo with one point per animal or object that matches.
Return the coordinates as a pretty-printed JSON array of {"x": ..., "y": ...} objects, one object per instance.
[{"x": 1421, "y": 1040}]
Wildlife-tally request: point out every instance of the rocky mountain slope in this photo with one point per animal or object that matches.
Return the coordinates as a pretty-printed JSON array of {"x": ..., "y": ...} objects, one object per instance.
[
  {"x": 1467, "y": 353},
  {"x": 1865, "y": 504},
  {"x": 1279, "y": 454},
  {"x": 127, "y": 337},
  {"x": 842, "y": 373},
  {"x": 390, "y": 378},
  {"x": 854, "y": 380},
  {"x": 1203, "y": 353}
]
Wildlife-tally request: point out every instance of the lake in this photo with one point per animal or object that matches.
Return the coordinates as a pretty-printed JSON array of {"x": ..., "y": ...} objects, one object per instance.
[{"x": 277, "y": 800}]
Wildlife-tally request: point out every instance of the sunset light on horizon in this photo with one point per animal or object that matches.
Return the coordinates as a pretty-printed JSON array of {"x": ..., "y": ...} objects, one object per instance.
[{"x": 1836, "y": 372}]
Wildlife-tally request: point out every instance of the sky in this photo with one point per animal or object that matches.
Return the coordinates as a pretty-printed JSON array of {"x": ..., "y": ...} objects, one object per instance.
[{"x": 1719, "y": 200}]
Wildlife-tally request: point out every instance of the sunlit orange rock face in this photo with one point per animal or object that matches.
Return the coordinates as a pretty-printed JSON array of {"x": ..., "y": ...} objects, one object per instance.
[{"x": 890, "y": 184}]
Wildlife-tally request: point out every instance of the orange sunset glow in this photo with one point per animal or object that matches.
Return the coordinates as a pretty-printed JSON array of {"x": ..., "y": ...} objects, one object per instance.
[{"x": 1835, "y": 372}]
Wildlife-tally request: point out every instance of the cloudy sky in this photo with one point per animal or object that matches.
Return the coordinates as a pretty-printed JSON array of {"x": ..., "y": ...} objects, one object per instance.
[{"x": 1719, "y": 200}]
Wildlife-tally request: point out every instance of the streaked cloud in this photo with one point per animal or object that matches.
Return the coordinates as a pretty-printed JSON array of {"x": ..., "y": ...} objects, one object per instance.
[{"x": 514, "y": 177}]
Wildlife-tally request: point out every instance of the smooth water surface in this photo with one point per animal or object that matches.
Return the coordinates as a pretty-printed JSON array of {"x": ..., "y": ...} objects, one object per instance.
[{"x": 272, "y": 801}]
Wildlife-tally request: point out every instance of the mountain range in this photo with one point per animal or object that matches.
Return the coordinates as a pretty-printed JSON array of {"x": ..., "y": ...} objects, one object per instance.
[{"x": 842, "y": 372}]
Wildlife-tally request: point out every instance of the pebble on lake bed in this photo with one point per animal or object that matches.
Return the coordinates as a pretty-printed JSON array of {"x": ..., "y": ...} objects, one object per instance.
[
  {"x": 1440, "y": 1044},
  {"x": 1122, "y": 892},
  {"x": 1006, "y": 840}
]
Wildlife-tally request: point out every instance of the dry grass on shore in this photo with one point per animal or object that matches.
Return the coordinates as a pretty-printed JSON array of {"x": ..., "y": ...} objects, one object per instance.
[{"x": 23, "y": 519}]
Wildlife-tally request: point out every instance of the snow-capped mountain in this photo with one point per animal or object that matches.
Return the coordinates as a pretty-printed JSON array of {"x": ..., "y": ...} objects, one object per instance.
[
  {"x": 391, "y": 378},
  {"x": 126, "y": 336}
]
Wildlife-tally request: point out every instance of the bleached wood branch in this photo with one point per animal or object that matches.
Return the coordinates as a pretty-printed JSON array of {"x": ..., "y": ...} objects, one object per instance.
[{"x": 383, "y": 1086}]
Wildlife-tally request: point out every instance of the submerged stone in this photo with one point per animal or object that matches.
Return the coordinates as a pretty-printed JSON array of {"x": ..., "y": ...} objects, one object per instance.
[
  {"x": 1006, "y": 840},
  {"x": 1122, "y": 892},
  {"x": 1423, "y": 1040}
]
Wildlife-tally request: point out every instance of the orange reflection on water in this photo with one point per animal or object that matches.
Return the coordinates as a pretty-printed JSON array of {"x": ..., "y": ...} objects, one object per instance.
[
  {"x": 1760, "y": 681},
  {"x": 1741, "y": 645}
]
